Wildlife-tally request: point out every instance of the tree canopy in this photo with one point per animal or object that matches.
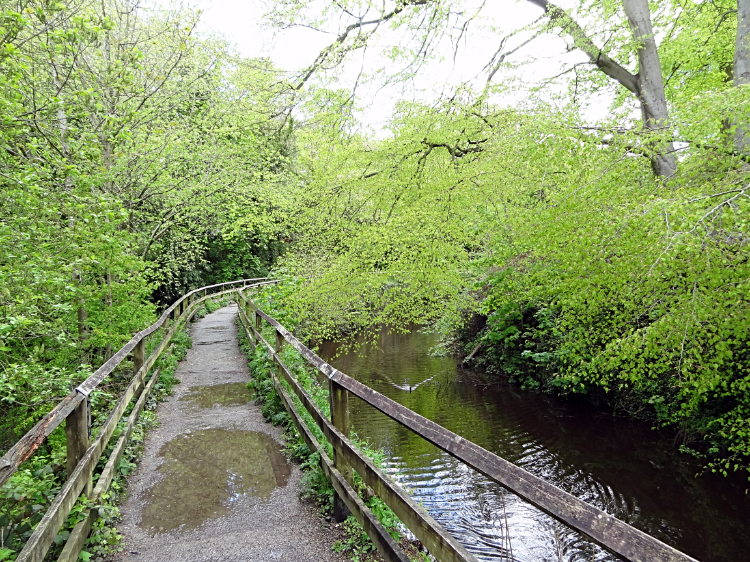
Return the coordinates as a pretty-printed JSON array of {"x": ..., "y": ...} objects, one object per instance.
[
  {"x": 137, "y": 161},
  {"x": 586, "y": 229},
  {"x": 597, "y": 255}
]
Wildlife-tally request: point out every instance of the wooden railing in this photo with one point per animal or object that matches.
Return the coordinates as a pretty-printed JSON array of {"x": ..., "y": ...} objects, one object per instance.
[
  {"x": 82, "y": 453},
  {"x": 610, "y": 533}
]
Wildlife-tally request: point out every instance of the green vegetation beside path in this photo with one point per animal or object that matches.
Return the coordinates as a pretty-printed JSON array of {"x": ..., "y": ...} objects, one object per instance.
[{"x": 580, "y": 230}]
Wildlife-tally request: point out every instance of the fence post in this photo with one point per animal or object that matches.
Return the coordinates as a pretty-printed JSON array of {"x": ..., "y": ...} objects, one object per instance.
[
  {"x": 339, "y": 401},
  {"x": 139, "y": 355},
  {"x": 250, "y": 333},
  {"x": 258, "y": 322},
  {"x": 77, "y": 437}
]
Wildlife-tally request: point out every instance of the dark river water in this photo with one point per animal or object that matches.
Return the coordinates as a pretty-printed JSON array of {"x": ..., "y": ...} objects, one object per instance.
[{"x": 620, "y": 466}]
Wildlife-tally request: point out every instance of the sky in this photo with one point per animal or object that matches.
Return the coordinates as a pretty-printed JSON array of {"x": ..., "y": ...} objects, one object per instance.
[{"x": 293, "y": 49}]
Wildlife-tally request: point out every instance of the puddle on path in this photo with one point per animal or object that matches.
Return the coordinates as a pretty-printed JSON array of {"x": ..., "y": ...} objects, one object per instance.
[
  {"x": 227, "y": 394},
  {"x": 206, "y": 472}
]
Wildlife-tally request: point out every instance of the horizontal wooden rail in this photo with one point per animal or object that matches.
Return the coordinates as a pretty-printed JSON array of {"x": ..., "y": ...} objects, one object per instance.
[
  {"x": 372, "y": 526},
  {"x": 84, "y": 456},
  {"x": 29, "y": 443},
  {"x": 607, "y": 531}
]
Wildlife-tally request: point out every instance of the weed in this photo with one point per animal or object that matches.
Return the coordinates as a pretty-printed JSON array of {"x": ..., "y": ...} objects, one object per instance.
[
  {"x": 315, "y": 485},
  {"x": 355, "y": 543}
]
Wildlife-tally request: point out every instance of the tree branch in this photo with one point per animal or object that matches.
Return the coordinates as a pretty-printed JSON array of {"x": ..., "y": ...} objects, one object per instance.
[
  {"x": 325, "y": 54},
  {"x": 581, "y": 41}
]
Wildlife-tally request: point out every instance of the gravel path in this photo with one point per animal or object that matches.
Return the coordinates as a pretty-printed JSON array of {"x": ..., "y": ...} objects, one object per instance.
[{"x": 212, "y": 485}]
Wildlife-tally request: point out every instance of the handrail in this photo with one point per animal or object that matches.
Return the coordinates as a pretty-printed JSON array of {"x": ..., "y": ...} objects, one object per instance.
[
  {"x": 29, "y": 443},
  {"x": 437, "y": 540},
  {"x": 83, "y": 455},
  {"x": 612, "y": 534}
]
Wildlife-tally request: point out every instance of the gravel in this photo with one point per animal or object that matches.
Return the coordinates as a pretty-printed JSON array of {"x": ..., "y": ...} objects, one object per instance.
[{"x": 277, "y": 527}]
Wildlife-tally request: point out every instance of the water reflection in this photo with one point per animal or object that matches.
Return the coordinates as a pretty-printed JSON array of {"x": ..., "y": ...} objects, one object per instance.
[
  {"x": 206, "y": 471},
  {"x": 224, "y": 394},
  {"x": 621, "y": 467}
]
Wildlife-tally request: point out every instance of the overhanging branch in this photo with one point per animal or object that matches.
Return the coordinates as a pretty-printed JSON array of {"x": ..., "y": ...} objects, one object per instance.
[
  {"x": 581, "y": 41},
  {"x": 326, "y": 53}
]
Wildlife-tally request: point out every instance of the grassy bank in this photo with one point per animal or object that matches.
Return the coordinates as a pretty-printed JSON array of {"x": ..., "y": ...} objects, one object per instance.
[{"x": 315, "y": 485}]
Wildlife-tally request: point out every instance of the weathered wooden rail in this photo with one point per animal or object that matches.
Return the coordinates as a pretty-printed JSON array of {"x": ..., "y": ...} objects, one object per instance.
[
  {"x": 83, "y": 453},
  {"x": 605, "y": 530}
]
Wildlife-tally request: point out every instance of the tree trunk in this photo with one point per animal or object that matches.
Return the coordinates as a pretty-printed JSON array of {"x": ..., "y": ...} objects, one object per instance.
[
  {"x": 742, "y": 69},
  {"x": 650, "y": 84},
  {"x": 647, "y": 85},
  {"x": 108, "y": 348},
  {"x": 62, "y": 123}
]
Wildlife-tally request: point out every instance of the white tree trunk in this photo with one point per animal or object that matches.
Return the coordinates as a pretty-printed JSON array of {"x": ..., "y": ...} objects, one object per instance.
[
  {"x": 742, "y": 68},
  {"x": 651, "y": 83}
]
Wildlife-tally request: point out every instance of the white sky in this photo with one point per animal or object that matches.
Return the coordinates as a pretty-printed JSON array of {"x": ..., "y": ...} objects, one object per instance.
[{"x": 296, "y": 48}]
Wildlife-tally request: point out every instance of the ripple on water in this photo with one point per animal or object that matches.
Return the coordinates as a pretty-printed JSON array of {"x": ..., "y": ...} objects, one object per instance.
[
  {"x": 621, "y": 467},
  {"x": 206, "y": 472}
]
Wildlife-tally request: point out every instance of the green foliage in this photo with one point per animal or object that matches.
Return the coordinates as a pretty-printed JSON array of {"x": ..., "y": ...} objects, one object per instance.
[
  {"x": 590, "y": 275},
  {"x": 167, "y": 363},
  {"x": 137, "y": 161},
  {"x": 26, "y": 496},
  {"x": 356, "y": 543}
]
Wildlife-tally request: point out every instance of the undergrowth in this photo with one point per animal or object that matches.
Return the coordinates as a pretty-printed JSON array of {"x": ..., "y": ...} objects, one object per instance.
[{"x": 314, "y": 485}]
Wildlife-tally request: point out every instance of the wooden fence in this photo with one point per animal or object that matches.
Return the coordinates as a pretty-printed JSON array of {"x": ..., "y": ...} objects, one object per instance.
[
  {"x": 605, "y": 530},
  {"x": 75, "y": 409},
  {"x": 83, "y": 454}
]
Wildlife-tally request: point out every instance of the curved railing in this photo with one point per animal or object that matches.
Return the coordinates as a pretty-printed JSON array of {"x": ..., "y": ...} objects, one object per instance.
[{"x": 82, "y": 453}]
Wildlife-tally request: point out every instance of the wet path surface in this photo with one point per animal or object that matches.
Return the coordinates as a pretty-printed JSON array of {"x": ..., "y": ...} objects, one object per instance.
[{"x": 213, "y": 484}]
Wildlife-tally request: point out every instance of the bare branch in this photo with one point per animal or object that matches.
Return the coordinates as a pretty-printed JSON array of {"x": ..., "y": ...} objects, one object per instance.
[{"x": 326, "y": 53}]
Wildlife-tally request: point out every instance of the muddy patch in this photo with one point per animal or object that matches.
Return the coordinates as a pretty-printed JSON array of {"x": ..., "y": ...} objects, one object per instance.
[
  {"x": 206, "y": 472},
  {"x": 227, "y": 394}
]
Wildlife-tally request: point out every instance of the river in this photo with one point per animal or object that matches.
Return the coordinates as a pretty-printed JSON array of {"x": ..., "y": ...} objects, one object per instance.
[{"x": 622, "y": 467}]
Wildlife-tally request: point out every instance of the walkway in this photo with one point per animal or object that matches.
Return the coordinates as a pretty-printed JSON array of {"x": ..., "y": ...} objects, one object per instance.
[{"x": 212, "y": 484}]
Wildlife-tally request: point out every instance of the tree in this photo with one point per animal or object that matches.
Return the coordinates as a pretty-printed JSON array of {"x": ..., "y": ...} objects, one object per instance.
[
  {"x": 742, "y": 67},
  {"x": 132, "y": 155},
  {"x": 545, "y": 229},
  {"x": 647, "y": 84},
  {"x": 430, "y": 23}
]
